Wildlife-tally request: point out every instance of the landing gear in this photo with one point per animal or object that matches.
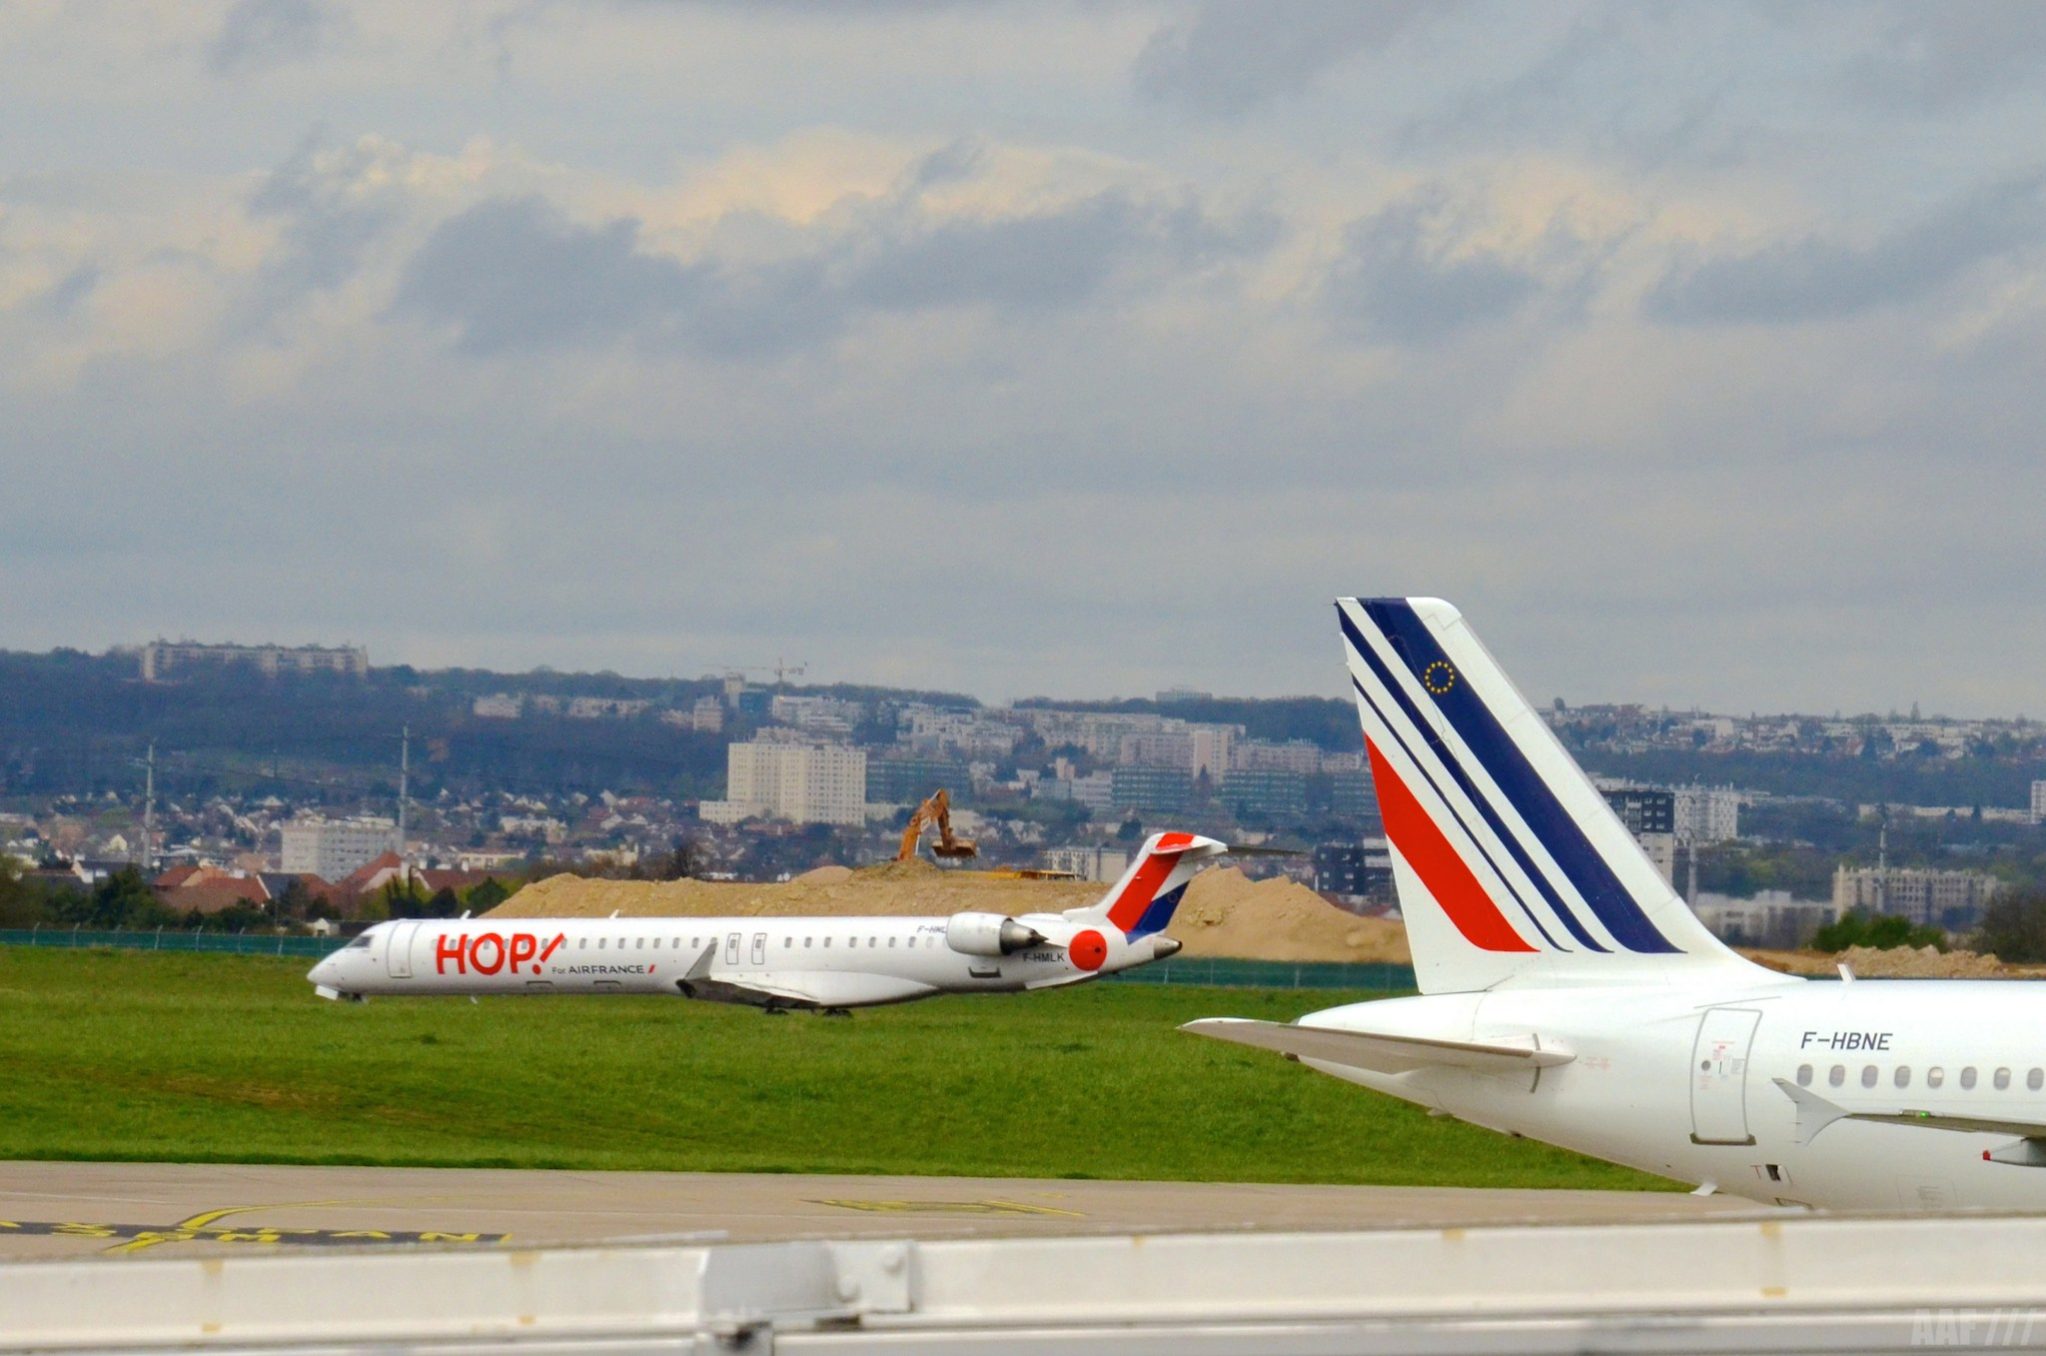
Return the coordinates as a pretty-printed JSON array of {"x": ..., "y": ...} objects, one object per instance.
[
  {"x": 770, "y": 1010},
  {"x": 835, "y": 1012}
]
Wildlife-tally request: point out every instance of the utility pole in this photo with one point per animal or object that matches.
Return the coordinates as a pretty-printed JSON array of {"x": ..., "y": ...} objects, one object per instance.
[
  {"x": 149, "y": 812},
  {"x": 404, "y": 784}
]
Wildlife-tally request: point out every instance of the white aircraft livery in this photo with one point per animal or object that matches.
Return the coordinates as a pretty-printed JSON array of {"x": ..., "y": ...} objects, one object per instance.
[
  {"x": 824, "y": 963},
  {"x": 1569, "y": 995}
]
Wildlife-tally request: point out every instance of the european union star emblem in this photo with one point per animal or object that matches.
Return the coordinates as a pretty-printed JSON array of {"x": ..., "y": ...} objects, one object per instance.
[{"x": 1439, "y": 677}]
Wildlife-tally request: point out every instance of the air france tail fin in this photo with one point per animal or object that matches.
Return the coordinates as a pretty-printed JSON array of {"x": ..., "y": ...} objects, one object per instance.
[
  {"x": 1510, "y": 865},
  {"x": 1143, "y": 901}
]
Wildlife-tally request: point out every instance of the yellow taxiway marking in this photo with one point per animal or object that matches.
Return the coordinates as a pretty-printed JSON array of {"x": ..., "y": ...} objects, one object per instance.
[{"x": 204, "y": 1227}]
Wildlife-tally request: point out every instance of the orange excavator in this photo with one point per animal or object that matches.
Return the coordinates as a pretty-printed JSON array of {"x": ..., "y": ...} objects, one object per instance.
[{"x": 935, "y": 811}]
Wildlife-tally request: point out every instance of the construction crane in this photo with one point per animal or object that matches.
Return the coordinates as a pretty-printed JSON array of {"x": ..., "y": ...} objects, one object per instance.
[
  {"x": 780, "y": 668},
  {"x": 937, "y": 810}
]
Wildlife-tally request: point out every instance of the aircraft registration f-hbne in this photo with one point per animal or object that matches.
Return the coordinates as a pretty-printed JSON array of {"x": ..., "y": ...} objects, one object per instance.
[
  {"x": 822, "y": 963},
  {"x": 1569, "y": 995}
]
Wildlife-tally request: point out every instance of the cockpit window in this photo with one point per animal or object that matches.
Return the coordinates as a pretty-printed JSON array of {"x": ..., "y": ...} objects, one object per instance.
[{"x": 358, "y": 944}]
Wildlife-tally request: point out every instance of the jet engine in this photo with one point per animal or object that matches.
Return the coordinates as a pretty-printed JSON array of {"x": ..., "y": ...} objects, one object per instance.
[{"x": 988, "y": 934}]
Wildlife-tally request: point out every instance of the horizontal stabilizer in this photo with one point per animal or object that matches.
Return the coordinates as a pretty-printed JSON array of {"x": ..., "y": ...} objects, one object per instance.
[
  {"x": 1815, "y": 1113},
  {"x": 1379, "y": 1053}
]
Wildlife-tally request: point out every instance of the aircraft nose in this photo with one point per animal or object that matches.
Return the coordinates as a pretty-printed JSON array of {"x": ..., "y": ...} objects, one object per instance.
[{"x": 324, "y": 971}]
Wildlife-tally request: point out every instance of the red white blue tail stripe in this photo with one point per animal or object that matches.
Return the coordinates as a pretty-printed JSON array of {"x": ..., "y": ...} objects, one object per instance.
[
  {"x": 1150, "y": 891},
  {"x": 1493, "y": 827}
]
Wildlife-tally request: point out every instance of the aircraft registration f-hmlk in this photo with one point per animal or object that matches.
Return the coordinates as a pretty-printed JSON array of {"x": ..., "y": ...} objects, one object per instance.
[
  {"x": 1569, "y": 995},
  {"x": 780, "y": 963}
]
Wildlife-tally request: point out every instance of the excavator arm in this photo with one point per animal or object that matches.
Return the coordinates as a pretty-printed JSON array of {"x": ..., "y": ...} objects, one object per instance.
[{"x": 937, "y": 810}]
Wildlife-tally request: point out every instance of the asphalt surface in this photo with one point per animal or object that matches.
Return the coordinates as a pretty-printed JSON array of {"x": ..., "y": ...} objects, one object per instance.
[{"x": 166, "y": 1209}]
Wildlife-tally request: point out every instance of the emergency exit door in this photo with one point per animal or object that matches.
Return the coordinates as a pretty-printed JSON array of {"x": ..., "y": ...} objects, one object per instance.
[
  {"x": 1719, "y": 1076},
  {"x": 760, "y": 948}
]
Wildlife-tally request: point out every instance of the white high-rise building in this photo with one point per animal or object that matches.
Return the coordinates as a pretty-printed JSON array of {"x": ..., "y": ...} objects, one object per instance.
[
  {"x": 331, "y": 848},
  {"x": 2039, "y": 802},
  {"x": 802, "y": 783},
  {"x": 1712, "y": 814}
]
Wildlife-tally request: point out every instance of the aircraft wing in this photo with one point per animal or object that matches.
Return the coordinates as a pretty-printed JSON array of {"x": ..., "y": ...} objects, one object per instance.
[
  {"x": 1815, "y": 1113},
  {"x": 1379, "y": 1053}
]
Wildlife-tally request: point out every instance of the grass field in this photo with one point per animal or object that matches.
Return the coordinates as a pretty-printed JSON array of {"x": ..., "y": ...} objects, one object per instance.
[{"x": 122, "y": 1055}]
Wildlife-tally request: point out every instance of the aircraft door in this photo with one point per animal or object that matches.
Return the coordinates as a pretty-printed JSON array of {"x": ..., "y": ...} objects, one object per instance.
[
  {"x": 760, "y": 948},
  {"x": 1719, "y": 1076},
  {"x": 398, "y": 950},
  {"x": 732, "y": 948}
]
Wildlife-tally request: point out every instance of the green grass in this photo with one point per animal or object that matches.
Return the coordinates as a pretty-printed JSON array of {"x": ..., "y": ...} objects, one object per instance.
[{"x": 123, "y": 1055}]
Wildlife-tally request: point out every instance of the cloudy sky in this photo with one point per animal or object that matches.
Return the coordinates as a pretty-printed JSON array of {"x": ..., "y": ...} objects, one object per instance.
[{"x": 1697, "y": 351}]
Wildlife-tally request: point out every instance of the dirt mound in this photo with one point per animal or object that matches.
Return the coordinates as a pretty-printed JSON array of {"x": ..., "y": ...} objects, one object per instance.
[
  {"x": 1224, "y": 914},
  {"x": 1228, "y": 914},
  {"x": 1901, "y": 962}
]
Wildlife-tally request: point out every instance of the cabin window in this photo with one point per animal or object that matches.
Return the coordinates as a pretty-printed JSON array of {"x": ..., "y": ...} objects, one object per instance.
[
  {"x": 2035, "y": 1079},
  {"x": 601, "y": 942},
  {"x": 2001, "y": 1079},
  {"x": 787, "y": 942},
  {"x": 873, "y": 942},
  {"x": 809, "y": 942},
  {"x": 1934, "y": 1077},
  {"x": 827, "y": 943},
  {"x": 1903, "y": 1078},
  {"x": 621, "y": 943},
  {"x": 657, "y": 944},
  {"x": 639, "y": 945},
  {"x": 582, "y": 943},
  {"x": 1968, "y": 1077},
  {"x": 891, "y": 943},
  {"x": 1868, "y": 1075},
  {"x": 1837, "y": 1075},
  {"x": 1804, "y": 1075}
]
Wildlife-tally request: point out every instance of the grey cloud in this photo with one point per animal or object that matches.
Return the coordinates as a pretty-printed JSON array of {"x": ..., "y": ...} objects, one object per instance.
[
  {"x": 1231, "y": 57},
  {"x": 1818, "y": 279},
  {"x": 69, "y": 291},
  {"x": 1048, "y": 259},
  {"x": 1958, "y": 51},
  {"x": 1396, "y": 280},
  {"x": 260, "y": 34},
  {"x": 328, "y": 224},
  {"x": 515, "y": 274}
]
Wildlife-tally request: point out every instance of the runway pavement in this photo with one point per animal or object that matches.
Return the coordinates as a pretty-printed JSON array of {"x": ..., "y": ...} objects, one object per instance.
[{"x": 126, "y": 1209}]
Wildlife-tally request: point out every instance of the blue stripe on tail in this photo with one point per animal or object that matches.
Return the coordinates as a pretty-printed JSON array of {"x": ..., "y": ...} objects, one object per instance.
[
  {"x": 1462, "y": 778},
  {"x": 1553, "y": 826},
  {"x": 1158, "y": 913}
]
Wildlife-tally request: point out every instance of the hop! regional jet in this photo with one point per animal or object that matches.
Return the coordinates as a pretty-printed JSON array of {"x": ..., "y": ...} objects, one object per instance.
[
  {"x": 831, "y": 964},
  {"x": 1568, "y": 995}
]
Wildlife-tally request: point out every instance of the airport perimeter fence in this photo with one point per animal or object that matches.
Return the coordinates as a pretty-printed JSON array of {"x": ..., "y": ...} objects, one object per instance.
[
  {"x": 1224, "y": 972},
  {"x": 1209, "y": 971},
  {"x": 173, "y": 939}
]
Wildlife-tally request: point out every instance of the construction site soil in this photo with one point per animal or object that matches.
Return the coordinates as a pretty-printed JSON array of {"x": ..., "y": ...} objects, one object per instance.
[{"x": 1225, "y": 913}]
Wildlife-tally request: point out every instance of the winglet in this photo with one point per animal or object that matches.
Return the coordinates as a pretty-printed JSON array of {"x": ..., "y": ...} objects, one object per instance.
[{"x": 1814, "y": 1113}]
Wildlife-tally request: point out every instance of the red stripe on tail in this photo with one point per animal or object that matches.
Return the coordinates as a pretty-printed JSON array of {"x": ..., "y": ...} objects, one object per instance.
[
  {"x": 1439, "y": 866},
  {"x": 1129, "y": 906}
]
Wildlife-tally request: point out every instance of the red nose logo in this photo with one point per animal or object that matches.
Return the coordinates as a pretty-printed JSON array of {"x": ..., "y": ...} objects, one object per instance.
[{"x": 1088, "y": 950}]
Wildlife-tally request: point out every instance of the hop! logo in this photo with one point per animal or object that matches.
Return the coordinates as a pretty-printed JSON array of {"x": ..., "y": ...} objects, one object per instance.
[{"x": 486, "y": 953}]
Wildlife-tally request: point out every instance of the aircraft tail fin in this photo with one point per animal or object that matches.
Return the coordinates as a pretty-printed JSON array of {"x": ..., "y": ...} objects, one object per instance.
[
  {"x": 1143, "y": 901},
  {"x": 1509, "y": 863}
]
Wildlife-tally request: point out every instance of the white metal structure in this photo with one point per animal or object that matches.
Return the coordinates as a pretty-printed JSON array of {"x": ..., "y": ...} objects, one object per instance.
[
  {"x": 780, "y": 963},
  {"x": 1570, "y": 996},
  {"x": 1814, "y": 1284}
]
